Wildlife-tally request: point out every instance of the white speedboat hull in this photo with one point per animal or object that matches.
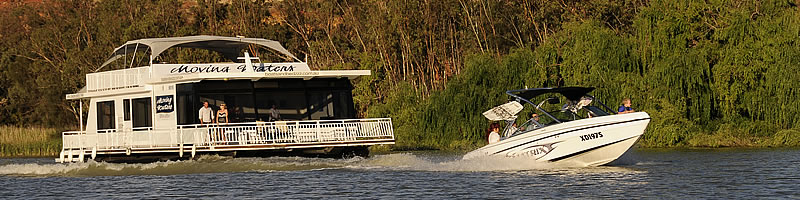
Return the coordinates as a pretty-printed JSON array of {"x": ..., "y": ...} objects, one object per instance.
[{"x": 586, "y": 142}]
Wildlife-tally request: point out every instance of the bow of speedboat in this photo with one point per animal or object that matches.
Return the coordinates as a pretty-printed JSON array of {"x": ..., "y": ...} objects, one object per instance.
[
  {"x": 600, "y": 143},
  {"x": 599, "y": 155}
]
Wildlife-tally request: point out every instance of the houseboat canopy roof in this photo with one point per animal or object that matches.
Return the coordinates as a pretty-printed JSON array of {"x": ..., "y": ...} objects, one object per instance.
[{"x": 230, "y": 47}]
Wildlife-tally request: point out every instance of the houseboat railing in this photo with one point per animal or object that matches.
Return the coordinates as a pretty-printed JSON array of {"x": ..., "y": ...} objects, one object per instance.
[
  {"x": 234, "y": 134},
  {"x": 117, "y": 79}
]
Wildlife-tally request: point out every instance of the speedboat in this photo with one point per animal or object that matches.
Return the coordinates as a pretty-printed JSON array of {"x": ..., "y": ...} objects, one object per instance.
[{"x": 582, "y": 131}]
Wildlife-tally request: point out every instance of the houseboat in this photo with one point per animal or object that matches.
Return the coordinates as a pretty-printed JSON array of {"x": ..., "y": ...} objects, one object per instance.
[{"x": 153, "y": 112}]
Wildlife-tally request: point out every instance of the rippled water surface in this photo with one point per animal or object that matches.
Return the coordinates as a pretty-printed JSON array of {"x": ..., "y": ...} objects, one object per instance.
[{"x": 672, "y": 174}]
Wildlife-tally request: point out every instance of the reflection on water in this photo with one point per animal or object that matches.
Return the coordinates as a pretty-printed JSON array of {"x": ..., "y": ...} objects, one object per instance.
[{"x": 642, "y": 173}]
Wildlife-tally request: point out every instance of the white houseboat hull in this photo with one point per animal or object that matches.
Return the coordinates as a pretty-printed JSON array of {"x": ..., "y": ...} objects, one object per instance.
[{"x": 587, "y": 142}]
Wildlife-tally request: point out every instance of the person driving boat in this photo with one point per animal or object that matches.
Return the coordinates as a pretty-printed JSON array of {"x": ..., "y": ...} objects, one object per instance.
[
  {"x": 625, "y": 107},
  {"x": 531, "y": 125}
]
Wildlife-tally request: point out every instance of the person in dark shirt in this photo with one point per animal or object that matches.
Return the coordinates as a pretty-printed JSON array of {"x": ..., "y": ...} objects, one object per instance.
[
  {"x": 531, "y": 125},
  {"x": 625, "y": 107}
]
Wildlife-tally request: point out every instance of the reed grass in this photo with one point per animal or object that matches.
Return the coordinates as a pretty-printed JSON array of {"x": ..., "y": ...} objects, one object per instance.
[{"x": 29, "y": 141}]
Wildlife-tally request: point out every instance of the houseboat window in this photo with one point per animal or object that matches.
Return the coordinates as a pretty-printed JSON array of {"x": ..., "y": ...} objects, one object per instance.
[
  {"x": 126, "y": 109},
  {"x": 343, "y": 105},
  {"x": 105, "y": 115},
  {"x": 240, "y": 106},
  {"x": 320, "y": 105},
  {"x": 248, "y": 101},
  {"x": 185, "y": 104},
  {"x": 185, "y": 88},
  {"x": 142, "y": 114},
  {"x": 330, "y": 105},
  {"x": 291, "y": 104}
]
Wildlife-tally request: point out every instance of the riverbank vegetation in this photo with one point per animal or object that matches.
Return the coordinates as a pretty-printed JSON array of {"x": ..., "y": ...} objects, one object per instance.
[
  {"x": 711, "y": 74},
  {"x": 31, "y": 141}
]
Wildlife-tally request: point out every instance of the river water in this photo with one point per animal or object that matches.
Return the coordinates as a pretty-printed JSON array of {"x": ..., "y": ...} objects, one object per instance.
[{"x": 641, "y": 173}]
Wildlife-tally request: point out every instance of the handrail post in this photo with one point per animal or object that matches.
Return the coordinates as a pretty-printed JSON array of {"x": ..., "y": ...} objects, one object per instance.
[
  {"x": 180, "y": 138},
  {"x": 80, "y": 141},
  {"x": 150, "y": 134}
]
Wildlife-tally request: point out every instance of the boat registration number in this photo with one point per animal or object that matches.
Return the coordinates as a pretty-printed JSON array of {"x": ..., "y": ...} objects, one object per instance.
[{"x": 591, "y": 136}]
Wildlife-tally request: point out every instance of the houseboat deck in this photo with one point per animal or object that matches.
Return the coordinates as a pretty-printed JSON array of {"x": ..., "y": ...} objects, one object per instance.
[{"x": 193, "y": 139}]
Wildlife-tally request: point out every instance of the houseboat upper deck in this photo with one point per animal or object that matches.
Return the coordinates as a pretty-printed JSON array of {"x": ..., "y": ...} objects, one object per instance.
[{"x": 153, "y": 112}]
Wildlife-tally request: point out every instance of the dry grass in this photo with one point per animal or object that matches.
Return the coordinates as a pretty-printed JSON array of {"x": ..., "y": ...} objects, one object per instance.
[{"x": 29, "y": 141}]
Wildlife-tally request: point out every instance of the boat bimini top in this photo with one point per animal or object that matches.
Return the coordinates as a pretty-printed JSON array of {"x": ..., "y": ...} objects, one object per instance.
[
  {"x": 571, "y": 93},
  {"x": 578, "y": 98}
]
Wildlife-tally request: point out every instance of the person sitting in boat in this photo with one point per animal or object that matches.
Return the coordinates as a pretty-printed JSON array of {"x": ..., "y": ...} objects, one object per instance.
[
  {"x": 494, "y": 133},
  {"x": 533, "y": 125},
  {"x": 625, "y": 107},
  {"x": 585, "y": 101},
  {"x": 222, "y": 114},
  {"x": 206, "y": 114},
  {"x": 274, "y": 115},
  {"x": 510, "y": 130}
]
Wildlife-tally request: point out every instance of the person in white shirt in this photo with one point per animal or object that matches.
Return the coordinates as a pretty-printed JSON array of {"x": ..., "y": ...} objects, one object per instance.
[
  {"x": 274, "y": 115},
  {"x": 494, "y": 135},
  {"x": 206, "y": 114}
]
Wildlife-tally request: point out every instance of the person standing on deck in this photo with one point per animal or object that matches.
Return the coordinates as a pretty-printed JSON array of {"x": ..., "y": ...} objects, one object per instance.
[
  {"x": 626, "y": 107},
  {"x": 206, "y": 114},
  {"x": 222, "y": 114},
  {"x": 274, "y": 115}
]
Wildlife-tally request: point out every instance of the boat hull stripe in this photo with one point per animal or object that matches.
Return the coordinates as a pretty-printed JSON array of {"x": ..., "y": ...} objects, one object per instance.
[
  {"x": 569, "y": 131},
  {"x": 587, "y": 150}
]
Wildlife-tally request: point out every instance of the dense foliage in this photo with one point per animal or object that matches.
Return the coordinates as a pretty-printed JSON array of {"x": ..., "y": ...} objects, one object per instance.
[{"x": 711, "y": 73}]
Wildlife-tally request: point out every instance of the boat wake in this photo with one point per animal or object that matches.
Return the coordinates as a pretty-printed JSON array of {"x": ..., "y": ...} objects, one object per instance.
[
  {"x": 408, "y": 161},
  {"x": 219, "y": 164},
  {"x": 204, "y": 164}
]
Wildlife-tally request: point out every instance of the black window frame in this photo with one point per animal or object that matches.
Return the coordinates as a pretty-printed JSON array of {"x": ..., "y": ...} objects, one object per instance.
[
  {"x": 142, "y": 112},
  {"x": 102, "y": 106},
  {"x": 126, "y": 109}
]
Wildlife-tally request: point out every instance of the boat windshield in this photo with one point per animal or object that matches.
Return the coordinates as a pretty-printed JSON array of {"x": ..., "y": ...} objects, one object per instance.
[
  {"x": 563, "y": 115},
  {"x": 586, "y": 107},
  {"x": 552, "y": 110},
  {"x": 527, "y": 126}
]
